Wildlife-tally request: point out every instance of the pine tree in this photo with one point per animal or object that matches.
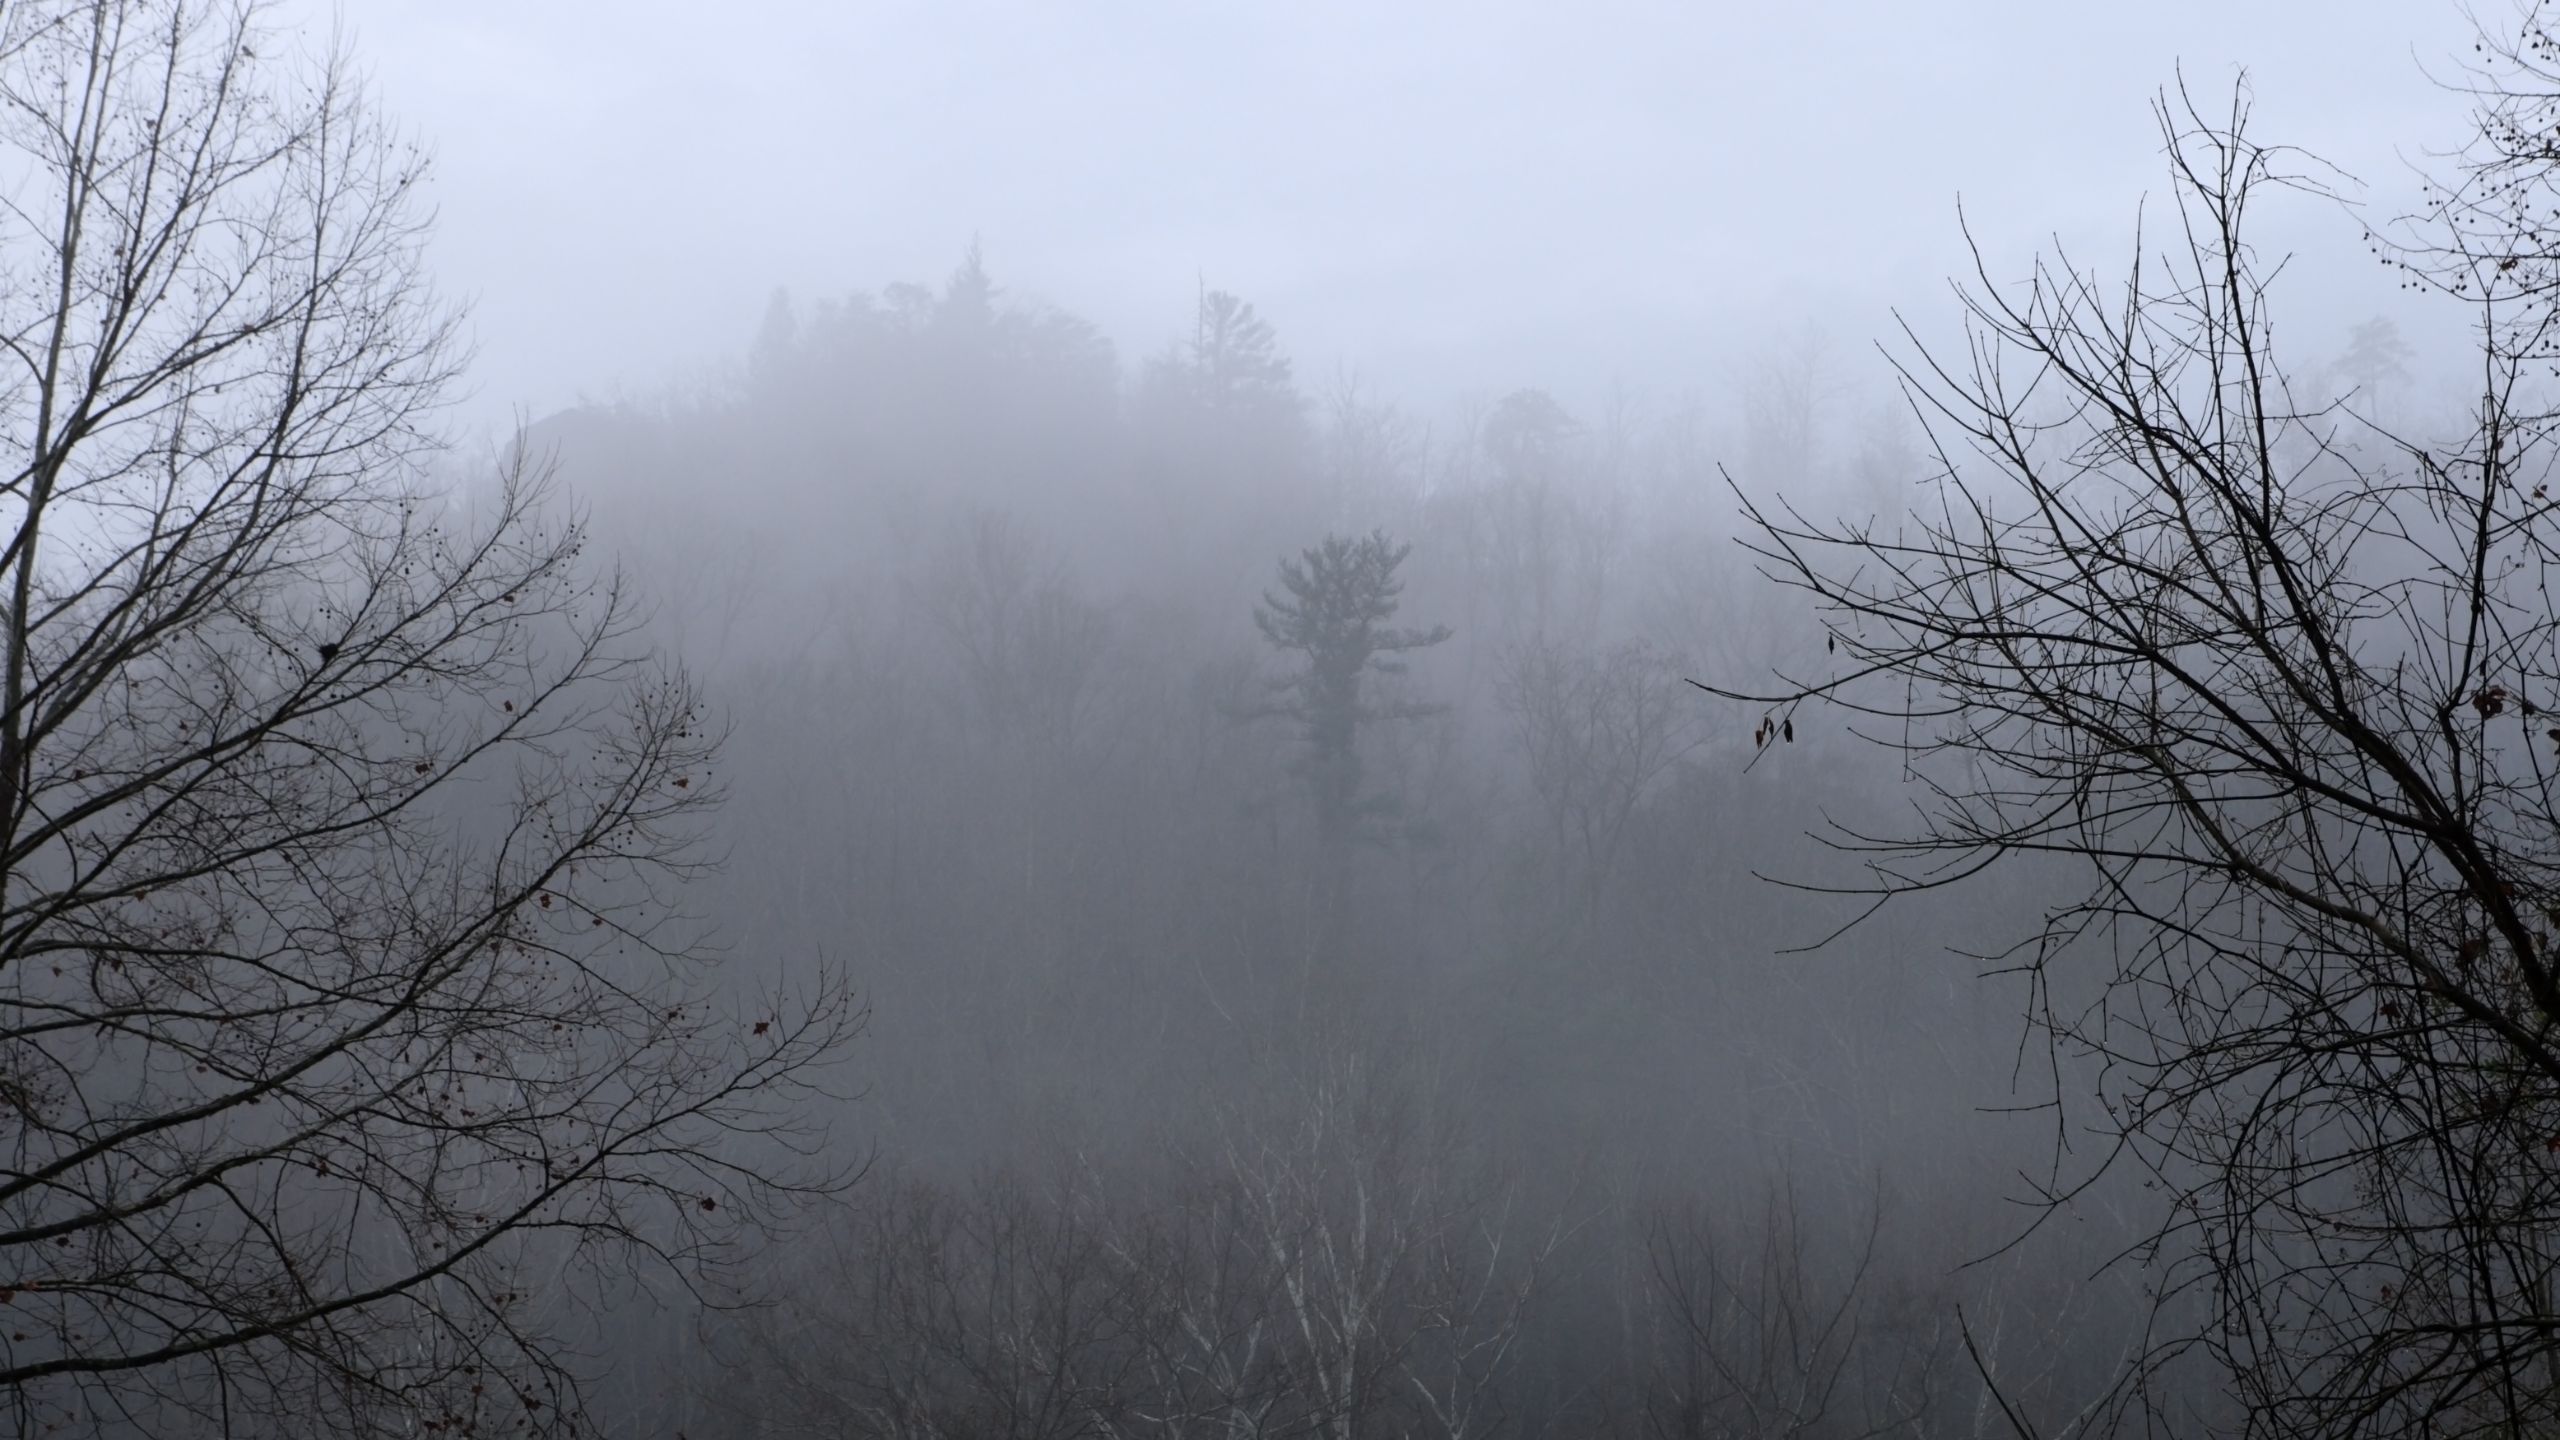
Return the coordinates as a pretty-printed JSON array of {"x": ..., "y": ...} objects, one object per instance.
[{"x": 1337, "y": 600}]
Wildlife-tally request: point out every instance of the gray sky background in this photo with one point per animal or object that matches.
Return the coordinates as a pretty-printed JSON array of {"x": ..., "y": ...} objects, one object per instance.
[{"x": 1446, "y": 197}]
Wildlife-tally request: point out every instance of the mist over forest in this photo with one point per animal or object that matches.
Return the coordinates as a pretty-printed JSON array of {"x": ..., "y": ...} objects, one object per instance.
[
  {"x": 1007, "y": 736},
  {"x": 1002, "y": 844}
]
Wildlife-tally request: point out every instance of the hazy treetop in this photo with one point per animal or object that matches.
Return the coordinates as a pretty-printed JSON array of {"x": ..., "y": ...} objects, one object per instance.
[{"x": 1447, "y": 196}]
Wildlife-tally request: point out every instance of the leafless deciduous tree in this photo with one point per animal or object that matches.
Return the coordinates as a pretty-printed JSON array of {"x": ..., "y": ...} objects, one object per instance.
[
  {"x": 1029, "y": 646},
  {"x": 1399, "y": 1278},
  {"x": 2284, "y": 683},
  {"x": 996, "y": 1309},
  {"x": 346, "y": 1000},
  {"x": 1596, "y": 731},
  {"x": 1787, "y": 1334},
  {"x": 1334, "y": 1269}
]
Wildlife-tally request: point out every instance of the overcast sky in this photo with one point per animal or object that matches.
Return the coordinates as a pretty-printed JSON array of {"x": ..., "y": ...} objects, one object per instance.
[{"x": 1446, "y": 196}]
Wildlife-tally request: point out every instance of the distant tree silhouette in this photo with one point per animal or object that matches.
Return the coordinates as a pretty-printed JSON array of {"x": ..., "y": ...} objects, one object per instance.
[
  {"x": 1224, "y": 403},
  {"x": 1233, "y": 362},
  {"x": 2375, "y": 362},
  {"x": 1527, "y": 436},
  {"x": 1332, "y": 610}
]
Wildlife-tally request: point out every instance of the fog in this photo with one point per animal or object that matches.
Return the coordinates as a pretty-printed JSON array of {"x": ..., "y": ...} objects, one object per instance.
[
  {"x": 885, "y": 346},
  {"x": 1443, "y": 199},
  {"x": 1128, "y": 620}
]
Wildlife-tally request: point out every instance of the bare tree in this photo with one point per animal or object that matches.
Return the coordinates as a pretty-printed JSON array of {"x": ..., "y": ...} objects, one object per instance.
[
  {"x": 1596, "y": 731},
  {"x": 1397, "y": 1276},
  {"x": 1336, "y": 1264},
  {"x": 1029, "y": 646},
  {"x": 1541, "y": 524},
  {"x": 1782, "y": 1336},
  {"x": 1484, "y": 1274},
  {"x": 2281, "y": 683},
  {"x": 1373, "y": 456},
  {"x": 992, "y": 1309},
  {"x": 347, "y": 1000},
  {"x": 1219, "y": 1361}
]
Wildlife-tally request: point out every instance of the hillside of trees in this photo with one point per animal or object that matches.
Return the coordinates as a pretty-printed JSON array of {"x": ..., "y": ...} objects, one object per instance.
[{"x": 955, "y": 881}]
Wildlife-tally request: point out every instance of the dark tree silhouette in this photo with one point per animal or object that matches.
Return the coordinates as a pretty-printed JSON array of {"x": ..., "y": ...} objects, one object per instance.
[
  {"x": 2288, "y": 699},
  {"x": 348, "y": 1011},
  {"x": 2375, "y": 361},
  {"x": 1233, "y": 362},
  {"x": 1332, "y": 612}
]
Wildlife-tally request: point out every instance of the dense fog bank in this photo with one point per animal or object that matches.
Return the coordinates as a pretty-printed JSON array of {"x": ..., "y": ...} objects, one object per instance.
[
  {"x": 980, "y": 604},
  {"x": 964, "y": 873}
]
